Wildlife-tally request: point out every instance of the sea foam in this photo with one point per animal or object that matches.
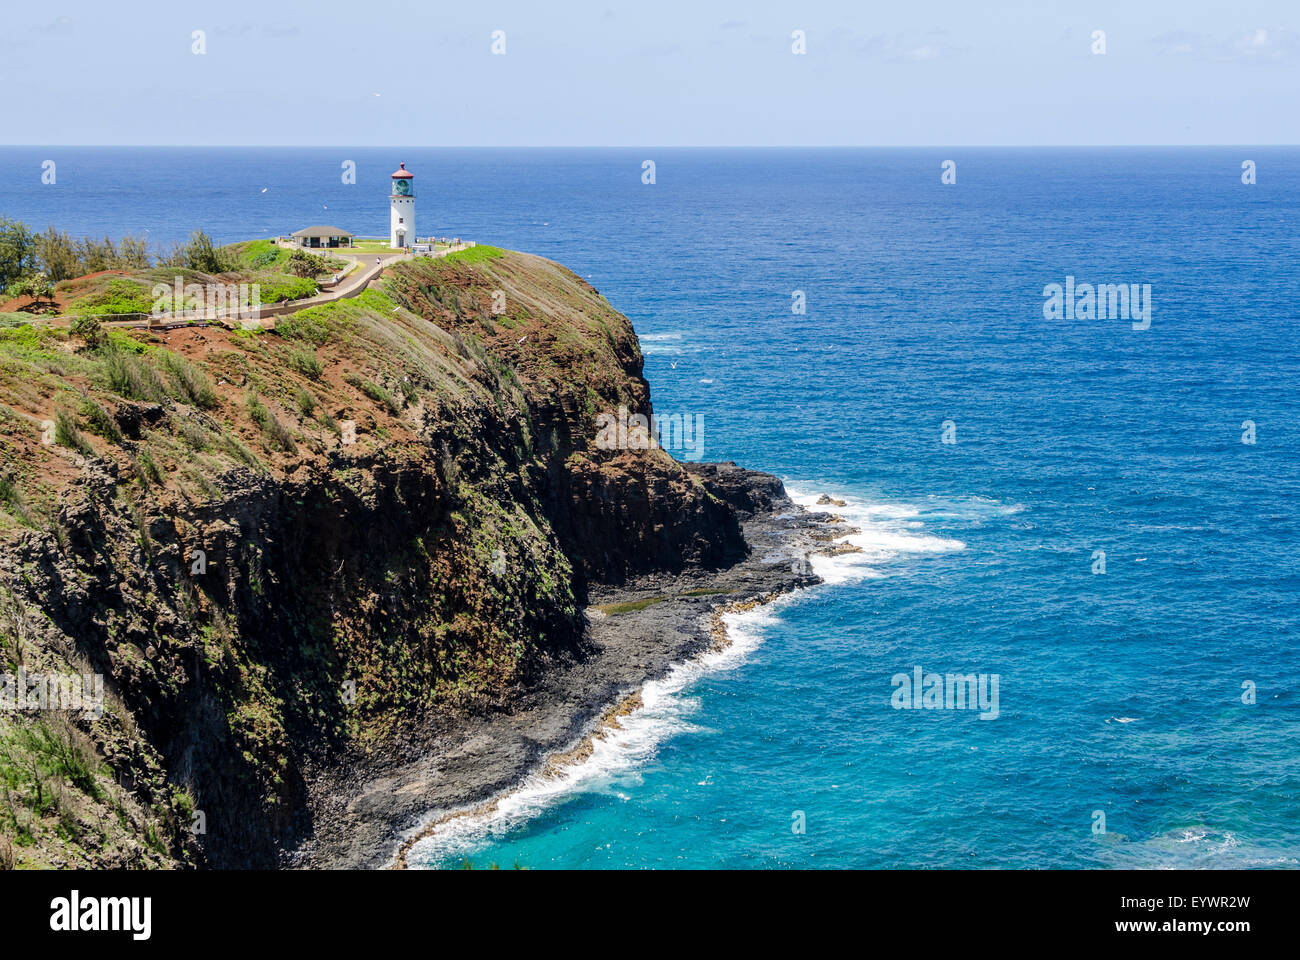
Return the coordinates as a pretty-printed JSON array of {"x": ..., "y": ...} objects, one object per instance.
[
  {"x": 886, "y": 532},
  {"x": 617, "y": 750}
]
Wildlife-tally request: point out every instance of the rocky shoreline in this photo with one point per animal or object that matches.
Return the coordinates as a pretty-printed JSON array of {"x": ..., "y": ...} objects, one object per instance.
[{"x": 368, "y": 810}]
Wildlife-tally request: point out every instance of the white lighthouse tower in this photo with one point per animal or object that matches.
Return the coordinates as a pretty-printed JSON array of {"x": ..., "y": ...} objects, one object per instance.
[{"x": 401, "y": 210}]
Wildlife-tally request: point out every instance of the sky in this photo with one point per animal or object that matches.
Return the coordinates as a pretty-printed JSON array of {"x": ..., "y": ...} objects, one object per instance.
[{"x": 656, "y": 73}]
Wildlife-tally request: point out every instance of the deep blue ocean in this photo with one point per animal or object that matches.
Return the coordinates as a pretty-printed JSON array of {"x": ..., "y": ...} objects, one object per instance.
[{"x": 1121, "y": 694}]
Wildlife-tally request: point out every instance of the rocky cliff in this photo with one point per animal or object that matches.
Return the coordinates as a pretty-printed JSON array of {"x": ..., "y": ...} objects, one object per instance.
[{"x": 277, "y": 546}]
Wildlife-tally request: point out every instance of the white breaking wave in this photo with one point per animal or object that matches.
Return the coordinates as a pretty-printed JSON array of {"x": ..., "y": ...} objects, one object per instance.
[
  {"x": 624, "y": 745},
  {"x": 656, "y": 344},
  {"x": 1197, "y": 847},
  {"x": 886, "y": 531}
]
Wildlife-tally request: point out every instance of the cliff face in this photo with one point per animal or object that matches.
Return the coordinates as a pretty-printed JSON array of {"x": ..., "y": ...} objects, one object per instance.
[
  {"x": 274, "y": 546},
  {"x": 616, "y": 512}
]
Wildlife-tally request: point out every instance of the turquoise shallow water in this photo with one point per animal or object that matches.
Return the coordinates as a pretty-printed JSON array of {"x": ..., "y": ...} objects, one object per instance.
[{"x": 1118, "y": 692}]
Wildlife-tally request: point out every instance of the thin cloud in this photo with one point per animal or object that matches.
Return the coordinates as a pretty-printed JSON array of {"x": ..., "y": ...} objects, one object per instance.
[
  {"x": 59, "y": 25},
  {"x": 1260, "y": 45},
  {"x": 902, "y": 47},
  {"x": 1180, "y": 43},
  {"x": 927, "y": 52}
]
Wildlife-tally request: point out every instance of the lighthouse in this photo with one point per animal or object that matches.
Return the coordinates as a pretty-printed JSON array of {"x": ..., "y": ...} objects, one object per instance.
[{"x": 401, "y": 210}]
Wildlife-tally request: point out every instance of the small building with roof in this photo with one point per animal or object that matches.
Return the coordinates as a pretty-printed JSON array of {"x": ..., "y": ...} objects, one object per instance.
[{"x": 322, "y": 237}]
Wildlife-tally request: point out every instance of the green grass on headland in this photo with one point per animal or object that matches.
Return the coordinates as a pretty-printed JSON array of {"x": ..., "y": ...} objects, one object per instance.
[
  {"x": 476, "y": 254},
  {"x": 369, "y": 246},
  {"x": 116, "y": 295},
  {"x": 260, "y": 254}
]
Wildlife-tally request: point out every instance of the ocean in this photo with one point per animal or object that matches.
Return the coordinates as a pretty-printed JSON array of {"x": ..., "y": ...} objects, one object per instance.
[{"x": 1095, "y": 518}]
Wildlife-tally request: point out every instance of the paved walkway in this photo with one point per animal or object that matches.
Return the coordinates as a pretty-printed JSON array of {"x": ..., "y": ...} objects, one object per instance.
[
  {"x": 352, "y": 283},
  {"x": 354, "y": 280},
  {"x": 368, "y": 267}
]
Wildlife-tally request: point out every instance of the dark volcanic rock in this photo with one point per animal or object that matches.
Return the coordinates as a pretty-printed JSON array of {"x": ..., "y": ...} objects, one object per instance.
[
  {"x": 747, "y": 491},
  {"x": 370, "y": 806}
]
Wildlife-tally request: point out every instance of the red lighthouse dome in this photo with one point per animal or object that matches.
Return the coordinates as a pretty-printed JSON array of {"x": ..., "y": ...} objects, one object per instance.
[{"x": 403, "y": 173}]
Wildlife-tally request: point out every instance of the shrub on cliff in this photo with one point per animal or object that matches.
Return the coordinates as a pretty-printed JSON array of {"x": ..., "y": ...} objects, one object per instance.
[
  {"x": 307, "y": 363},
  {"x": 275, "y": 431},
  {"x": 190, "y": 381},
  {"x": 67, "y": 434},
  {"x": 304, "y": 264},
  {"x": 88, "y": 329},
  {"x": 11, "y": 497},
  {"x": 130, "y": 376},
  {"x": 100, "y": 422},
  {"x": 375, "y": 392},
  {"x": 306, "y": 402}
]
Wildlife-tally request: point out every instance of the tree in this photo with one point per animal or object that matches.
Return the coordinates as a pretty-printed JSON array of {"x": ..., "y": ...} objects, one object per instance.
[
  {"x": 202, "y": 254},
  {"x": 96, "y": 255},
  {"x": 17, "y": 251},
  {"x": 304, "y": 264},
  {"x": 175, "y": 256},
  {"x": 133, "y": 253},
  {"x": 58, "y": 257},
  {"x": 62, "y": 258},
  {"x": 34, "y": 285}
]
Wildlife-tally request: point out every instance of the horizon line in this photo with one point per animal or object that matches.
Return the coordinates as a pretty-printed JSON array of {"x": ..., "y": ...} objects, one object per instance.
[{"x": 720, "y": 146}]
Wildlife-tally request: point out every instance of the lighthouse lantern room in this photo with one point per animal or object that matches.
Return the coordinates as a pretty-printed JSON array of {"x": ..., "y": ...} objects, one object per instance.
[{"x": 401, "y": 204}]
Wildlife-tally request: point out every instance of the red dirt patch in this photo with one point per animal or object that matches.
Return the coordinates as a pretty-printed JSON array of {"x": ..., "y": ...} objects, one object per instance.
[{"x": 65, "y": 291}]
